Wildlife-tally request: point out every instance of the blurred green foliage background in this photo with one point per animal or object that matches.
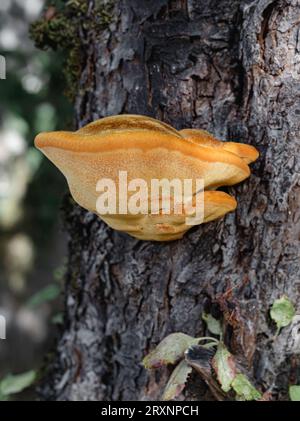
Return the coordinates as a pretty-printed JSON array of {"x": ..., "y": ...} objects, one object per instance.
[{"x": 32, "y": 243}]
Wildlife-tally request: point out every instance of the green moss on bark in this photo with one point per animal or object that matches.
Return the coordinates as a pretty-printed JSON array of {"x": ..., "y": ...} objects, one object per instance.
[{"x": 67, "y": 26}]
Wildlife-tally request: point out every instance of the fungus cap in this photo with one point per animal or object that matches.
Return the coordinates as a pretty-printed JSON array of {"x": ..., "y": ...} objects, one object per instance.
[
  {"x": 247, "y": 152},
  {"x": 147, "y": 149}
]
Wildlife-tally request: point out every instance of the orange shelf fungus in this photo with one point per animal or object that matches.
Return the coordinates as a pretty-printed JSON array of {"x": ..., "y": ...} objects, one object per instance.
[{"x": 144, "y": 149}]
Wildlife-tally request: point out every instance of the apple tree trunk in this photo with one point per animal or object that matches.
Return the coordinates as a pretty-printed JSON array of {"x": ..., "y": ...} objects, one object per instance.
[{"x": 231, "y": 67}]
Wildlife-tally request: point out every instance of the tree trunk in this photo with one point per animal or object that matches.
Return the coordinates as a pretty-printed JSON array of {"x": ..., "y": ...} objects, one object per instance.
[{"x": 231, "y": 67}]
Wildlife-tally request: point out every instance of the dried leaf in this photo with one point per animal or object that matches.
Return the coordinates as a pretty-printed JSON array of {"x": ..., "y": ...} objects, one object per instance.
[
  {"x": 170, "y": 350},
  {"x": 200, "y": 358},
  {"x": 224, "y": 366},
  {"x": 244, "y": 388},
  {"x": 177, "y": 381},
  {"x": 282, "y": 312},
  {"x": 294, "y": 392},
  {"x": 213, "y": 325},
  {"x": 266, "y": 396}
]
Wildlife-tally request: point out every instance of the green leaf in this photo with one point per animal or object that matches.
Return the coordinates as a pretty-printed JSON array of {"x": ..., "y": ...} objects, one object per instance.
[
  {"x": 177, "y": 381},
  {"x": 49, "y": 293},
  {"x": 294, "y": 392},
  {"x": 12, "y": 384},
  {"x": 57, "y": 319},
  {"x": 244, "y": 388},
  {"x": 170, "y": 350},
  {"x": 224, "y": 365},
  {"x": 282, "y": 312},
  {"x": 213, "y": 325}
]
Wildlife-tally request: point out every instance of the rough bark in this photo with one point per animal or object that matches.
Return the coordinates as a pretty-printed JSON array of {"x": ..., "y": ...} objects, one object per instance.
[{"x": 231, "y": 67}]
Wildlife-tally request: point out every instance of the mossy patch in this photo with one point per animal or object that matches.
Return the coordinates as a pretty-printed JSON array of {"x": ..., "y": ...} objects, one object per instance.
[{"x": 66, "y": 26}]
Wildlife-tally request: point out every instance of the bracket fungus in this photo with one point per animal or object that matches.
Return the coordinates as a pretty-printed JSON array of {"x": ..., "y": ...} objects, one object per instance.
[{"x": 146, "y": 149}]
